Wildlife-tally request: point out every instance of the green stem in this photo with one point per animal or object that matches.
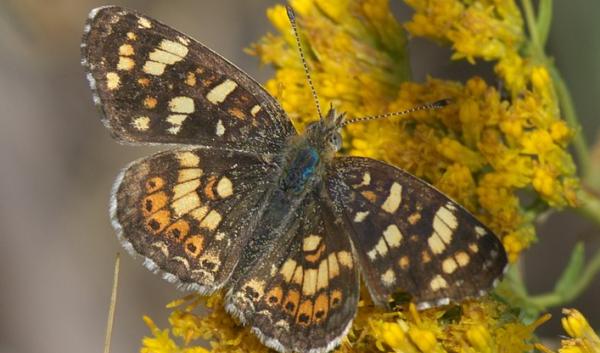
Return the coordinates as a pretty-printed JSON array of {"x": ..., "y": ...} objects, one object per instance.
[
  {"x": 537, "y": 45},
  {"x": 590, "y": 206},
  {"x": 544, "y": 301}
]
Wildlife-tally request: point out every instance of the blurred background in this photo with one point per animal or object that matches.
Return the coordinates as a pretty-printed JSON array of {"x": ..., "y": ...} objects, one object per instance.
[{"x": 58, "y": 163}]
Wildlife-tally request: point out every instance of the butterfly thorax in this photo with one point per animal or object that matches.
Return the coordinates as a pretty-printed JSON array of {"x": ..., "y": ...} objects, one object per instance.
[{"x": 307, "y": 155}]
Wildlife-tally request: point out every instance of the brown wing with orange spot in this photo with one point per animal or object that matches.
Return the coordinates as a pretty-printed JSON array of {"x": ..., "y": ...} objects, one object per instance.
[
  {"x": 303, "y": 297},
  {"x": 187, "y": 212}
]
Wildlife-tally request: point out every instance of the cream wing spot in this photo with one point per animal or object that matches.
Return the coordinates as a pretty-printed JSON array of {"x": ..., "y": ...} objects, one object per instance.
[
  {"x": 185, "y": 204},
  {"x": 126, "y": 50},
  {"x": 163, "y": 57},
  {"x": 309, "y": 285},
  {"x": 388, "y": 278},
  {"x": 144, "y": 23},
  {"x": 173, "y": 47},
  {"x": 473, "y": 247},
  {"x": 154, "y": 68},
  {"x": 183, "y": 189},
  {"x": 220, "y": 92},
  {"x": 437, "y": 283},
  {"x": 199, "y": 213},
  {"x": 322, "y": 279},
  {"x": 311, "y": 242},
  {"x": 462, "y": 258},
  {"x": 188, "y": 159},
  {"x": 126, "y": 64},
  {"x": 394, "y": 199},
  {"x": 360, "y": 216},
  {"x": 435, "y": 244},
  {"x": 219, "y": 129},
  {"x": 176, "y": 120},
  {"x": 444, "y": 224},
  {"x": 297, "y": 278},
  {"x": 211, "y": 221},
  {"x": 480, "y": 231},
  {"x": 366, "y": 179},
  {"x": 287, "y": 270},
  {"x": 345, "y": 259},
  {"x": 255, "y": 109},
  {"x": 113, "y": 81},
  {"x": 449, "y": 265},
  {"x": 182, "y": 104},
  {"x": 334, "y": 269},
  {"x": 224, "y": 187},
  {"x": 392, "y": 236},
  {"x": 141, "y": 123}
]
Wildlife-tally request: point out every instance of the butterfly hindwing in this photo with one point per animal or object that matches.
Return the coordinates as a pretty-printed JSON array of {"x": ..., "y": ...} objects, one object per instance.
[
  {"x": 303, "y": 296},
  {"x": 157, "y": 85},
  {"x": 187, "y": 211},
  {"x": 409, "y": 237}
]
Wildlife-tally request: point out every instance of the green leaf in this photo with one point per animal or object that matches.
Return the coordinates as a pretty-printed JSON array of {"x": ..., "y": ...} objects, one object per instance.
[
  {"x": 544, "y": 20},
  {"x": 572, "y": 273}
]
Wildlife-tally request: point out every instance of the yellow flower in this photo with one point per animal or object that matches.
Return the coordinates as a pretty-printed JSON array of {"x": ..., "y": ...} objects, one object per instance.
[
  {"x": 582, "y": 339},
  {"x": 473, "y": 326}
]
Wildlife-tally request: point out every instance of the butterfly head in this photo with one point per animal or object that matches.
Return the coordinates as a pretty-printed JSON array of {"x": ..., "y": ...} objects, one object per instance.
[{"x": 325, "y": 134}]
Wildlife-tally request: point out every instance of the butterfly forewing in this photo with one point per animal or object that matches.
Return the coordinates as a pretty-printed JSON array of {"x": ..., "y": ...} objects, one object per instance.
[
  {"x": 187, "y": 211},
  {"x": 411, "y": 238},
  {"x": 157, "y": 85},
  {"x": 304, "y": 294}
]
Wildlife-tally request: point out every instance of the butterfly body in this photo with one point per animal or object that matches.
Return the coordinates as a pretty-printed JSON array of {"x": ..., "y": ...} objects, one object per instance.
[{"x": 244, "y": 203}]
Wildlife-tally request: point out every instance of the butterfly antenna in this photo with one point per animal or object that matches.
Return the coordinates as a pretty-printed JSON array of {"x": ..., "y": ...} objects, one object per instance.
[
  {"x": 429, "y": 106},
  {"x": 292, "y": 17}
]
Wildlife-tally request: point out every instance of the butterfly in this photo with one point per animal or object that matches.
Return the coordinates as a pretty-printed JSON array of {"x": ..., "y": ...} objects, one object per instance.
[{"x": 246, "y": 204}]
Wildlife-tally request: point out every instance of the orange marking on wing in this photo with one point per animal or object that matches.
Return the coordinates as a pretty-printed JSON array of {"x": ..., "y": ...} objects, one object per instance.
[
  {"x": 404, "y": 262},
  {"x": 305, "y": 312},
  {"x": 194, "y": 245},
  {"x": 425, "y": 257},
  {"x": 154, "y": 202},
  {"x": 178, "y": 230},
  {"x": 321, "y": 308},
  {"x": 336, "y": 298},
  {"x": 158, "y": 221},
  {"x": 144, "y": 82},
  {"x": 208, "y": 189},
  {"x": 316, "y": 256},
  {"x": 275, "y": 296},
  {"x": 154, "y": 184},
  {"x": 414, "y": 218},
  {"x": 369, "y": 195},
  {"x": 150, "y": 102},
  {"x": 190, "y": 79},
  {"x": 290, "y": 304},
  {"x": 237, "y": 113}
]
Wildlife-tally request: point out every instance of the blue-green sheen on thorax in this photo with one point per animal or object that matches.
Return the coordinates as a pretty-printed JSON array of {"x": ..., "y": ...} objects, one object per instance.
[{"x": 302, "y": 167}]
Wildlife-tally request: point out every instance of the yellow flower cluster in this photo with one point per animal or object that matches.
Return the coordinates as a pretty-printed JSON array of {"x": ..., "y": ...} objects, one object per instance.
[
  {"x": 475, "y": 326},
  {"x": 483, "y": 150}
]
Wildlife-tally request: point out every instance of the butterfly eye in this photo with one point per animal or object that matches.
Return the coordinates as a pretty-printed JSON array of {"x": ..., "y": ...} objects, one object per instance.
[{"x": 335, "y": 140}]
